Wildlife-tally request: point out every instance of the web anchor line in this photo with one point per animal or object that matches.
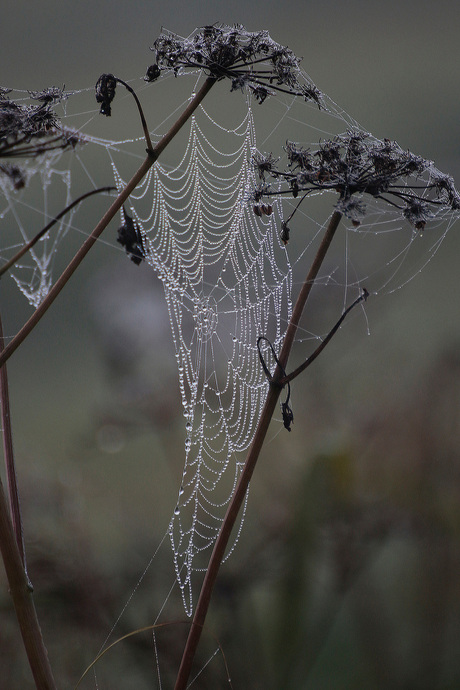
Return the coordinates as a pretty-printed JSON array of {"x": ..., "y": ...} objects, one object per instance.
[{"x": 288, "y": 415}]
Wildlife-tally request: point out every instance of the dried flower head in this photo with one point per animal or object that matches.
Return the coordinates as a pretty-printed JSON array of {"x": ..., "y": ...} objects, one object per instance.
[
  {"x": 264, "y": 164},
  {"x": 356, "y": 164},
  {"x": 32, "y": 130},
  {"x": 105, "y": 92},
  {"x": 251, "y": 60}
]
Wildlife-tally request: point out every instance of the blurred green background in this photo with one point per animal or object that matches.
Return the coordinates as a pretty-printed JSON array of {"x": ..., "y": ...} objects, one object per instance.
[{"x": 347, "y": 574}]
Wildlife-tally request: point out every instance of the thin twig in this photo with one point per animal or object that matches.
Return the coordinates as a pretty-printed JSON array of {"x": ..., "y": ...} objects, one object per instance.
[
  {"x": 251, "y": 460},
  {"x": 290, "y": 377},
  {"x": 141, "y": 113}
]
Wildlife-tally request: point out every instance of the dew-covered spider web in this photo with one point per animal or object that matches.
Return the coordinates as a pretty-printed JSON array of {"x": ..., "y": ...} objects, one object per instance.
[
  {"x": 211, "y": 224},
  {"x": 227, "y": 280}
]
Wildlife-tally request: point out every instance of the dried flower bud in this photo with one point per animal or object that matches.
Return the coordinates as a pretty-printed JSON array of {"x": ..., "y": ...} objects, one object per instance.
[
  {"x": 14, "y": 174},
  {"x": 105, "y": 92},
  {"x": 284, "y": 236},
  {"x": 130, "y": 238},
  {"x": 153, "y": 72}
]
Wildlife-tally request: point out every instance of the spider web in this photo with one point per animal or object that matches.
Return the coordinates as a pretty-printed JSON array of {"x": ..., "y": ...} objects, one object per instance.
[
  {"x": 227, "y": 280},
  {"x": 53, "y": 184}
]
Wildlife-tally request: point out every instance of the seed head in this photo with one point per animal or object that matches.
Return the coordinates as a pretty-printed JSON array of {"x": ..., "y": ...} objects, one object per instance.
[{"x": 251, "y": 60}]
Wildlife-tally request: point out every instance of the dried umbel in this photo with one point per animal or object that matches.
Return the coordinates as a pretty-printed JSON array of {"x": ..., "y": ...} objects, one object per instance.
[
  {"x": 354, "y": 165},
  {"x": 29, "y": 130},
  {"x": 249, "y": 59}
]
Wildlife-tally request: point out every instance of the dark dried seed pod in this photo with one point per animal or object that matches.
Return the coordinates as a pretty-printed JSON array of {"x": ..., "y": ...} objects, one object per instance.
[
  {"x": 257, "y": 210},
  {"x": 105, "y": 92},
  {"x": 284, "y": 233},
  {"x": 152, "y": 74}
]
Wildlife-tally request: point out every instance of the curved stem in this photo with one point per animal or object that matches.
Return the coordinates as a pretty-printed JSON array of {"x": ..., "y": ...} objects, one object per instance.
[
  {"x": 105, "y": 220},
  {"x": 141, "y": 113},
  {"x": 44, "y": 230},
  {"x": 251, "y": 460}
]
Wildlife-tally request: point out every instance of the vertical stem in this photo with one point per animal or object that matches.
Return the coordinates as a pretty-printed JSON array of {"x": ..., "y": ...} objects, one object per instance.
[
  {"x": 251, "y": 460},
  {"x": 105, "y": 220},
  {"x": 9, "y": 456},
  {"x": 23, "y": 602}
]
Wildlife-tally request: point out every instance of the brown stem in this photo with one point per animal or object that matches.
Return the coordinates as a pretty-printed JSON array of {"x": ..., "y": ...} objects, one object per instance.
[
  {"x": 114, "y": 208},
  {"x": 251, "y": 460},
  {"x": 23, "y": 603},
  {"x": 141, "y": 113},
  {"x": 9, "y": 456}
]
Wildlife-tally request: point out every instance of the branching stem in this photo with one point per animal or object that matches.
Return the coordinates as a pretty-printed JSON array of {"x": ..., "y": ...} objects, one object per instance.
[{"x": 251, "y": 460}]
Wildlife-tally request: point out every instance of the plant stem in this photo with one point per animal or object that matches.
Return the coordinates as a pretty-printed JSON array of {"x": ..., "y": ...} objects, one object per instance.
[
  {"x": 152, "y": 156},
  {"x": 141, "y": 113},
  {"x": 12, "y": 550},
  {"x": 23, "y": 602},
  {"x": 251, "y": 460},
  {"x": 9, "y": 456}
]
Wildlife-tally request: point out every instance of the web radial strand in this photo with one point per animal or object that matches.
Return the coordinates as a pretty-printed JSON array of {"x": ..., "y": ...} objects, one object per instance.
[{"x": 227, "y": 280}]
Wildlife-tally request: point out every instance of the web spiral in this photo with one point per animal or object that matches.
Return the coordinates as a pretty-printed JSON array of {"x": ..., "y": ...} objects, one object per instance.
[{"x": 227, "y": 281}]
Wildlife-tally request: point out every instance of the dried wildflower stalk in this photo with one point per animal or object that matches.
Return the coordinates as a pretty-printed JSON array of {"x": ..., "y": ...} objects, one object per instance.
[{"x": 30, "y": 131}]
